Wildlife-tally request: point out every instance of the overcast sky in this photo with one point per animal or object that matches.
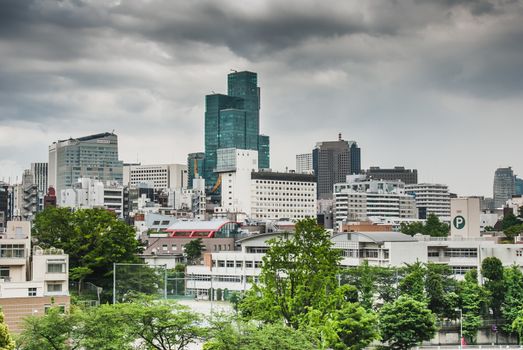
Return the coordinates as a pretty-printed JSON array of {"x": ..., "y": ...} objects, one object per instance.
[{"x": 435, "y": 85}]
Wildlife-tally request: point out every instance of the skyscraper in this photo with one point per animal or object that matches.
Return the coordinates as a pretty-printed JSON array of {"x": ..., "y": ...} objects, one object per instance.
[
  {"x": 332, "y": 161},
  {"x": 40, "y": 172},
  {"x": 233, "y": 121},
  {"x": 93, "y": 156},
  {"x": 518, "y": 186},
  {"x": 504, "y": 186}
]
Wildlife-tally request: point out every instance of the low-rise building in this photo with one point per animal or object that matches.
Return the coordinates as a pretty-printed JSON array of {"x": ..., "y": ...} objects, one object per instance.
[
  {"x": 236, "y": 270},
  {"x": 360, "y": 198},
  {"x": 31, "y": 280},
  {"x": 89, "y": 193}
]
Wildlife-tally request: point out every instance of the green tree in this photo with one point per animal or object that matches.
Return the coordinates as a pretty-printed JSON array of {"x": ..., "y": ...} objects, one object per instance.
[
  {"x": 513, "y": 231},
  {"x": 492, "y": 271},
  {"x": 93, "y": 238},
  {"x": 55, "y": 330},
  {"x": 363, "y": 277},
  {"x": 102, "y": 329},
  {"x": 406, "y": 322},
  {"x": 441, "y": 290},
  {"x": 6, "y": 341},
  {"x": 432, "y": 227},
  {"x": 435, "y": 228},
  {"x": 193, "y": 251},
  {"x": 517, "y": 325},
  {"x": 509, "y": 220},
  {"x": 513, "y": 301},
  {"x": 349, "y": 327},
  {"x": 411, "y": 228},
  {"x": 473, "y": 299},
  {"x": 299, "y": 272},
  {"x": 413, "y": 284},
  {"x": 229, "y": 333},
  {"x": 160, "y": 325}
]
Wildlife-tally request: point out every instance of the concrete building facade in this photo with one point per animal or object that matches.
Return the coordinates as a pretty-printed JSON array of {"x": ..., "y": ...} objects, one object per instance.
[
  {"x": 407, "y": 176},
  {"x": 430, "y": 199},
  {"x": 162, "y": 176},
  {"x": 304, "y": 163},
  {"x": 360, "y": 198},
  {"x": 30, "y": 279},
  {"x": 93, "y": 156}
]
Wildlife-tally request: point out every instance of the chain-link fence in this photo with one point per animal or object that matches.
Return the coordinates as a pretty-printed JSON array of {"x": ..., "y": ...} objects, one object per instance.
[{"x": 154, "y": 281}]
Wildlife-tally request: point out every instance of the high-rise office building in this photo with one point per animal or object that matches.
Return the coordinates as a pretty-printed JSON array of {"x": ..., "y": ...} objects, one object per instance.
[
  {"x": 407, "y": 176},
  {"x": 355, "y": 158},
  {"x": 195, "y": 164},
  {"x": 233, "y": 121},
  {"x": 304, "y": 163},
  {"x": 332, "y": 161},
  {"x": 93, "y": 156},
  {"x": 40, "y": 173},
  {"x": 504, "y": 186},
  {"x": 264, "y": 160},
  {"x": 518, "y": 186},
  {"x": 161, "y": 176}
]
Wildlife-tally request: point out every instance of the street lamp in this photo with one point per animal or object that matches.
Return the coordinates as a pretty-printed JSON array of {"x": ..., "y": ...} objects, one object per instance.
[{"x": 460, "y": 327}]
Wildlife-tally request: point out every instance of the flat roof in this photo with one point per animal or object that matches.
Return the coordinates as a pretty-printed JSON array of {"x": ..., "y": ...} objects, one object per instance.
[{"x": 269, "y": 175}]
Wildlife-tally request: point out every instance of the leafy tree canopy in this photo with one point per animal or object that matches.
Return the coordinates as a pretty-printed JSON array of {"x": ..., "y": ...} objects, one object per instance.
[
  {"x": 406, "y": 322},
  {"x": 432, "y": 227}
]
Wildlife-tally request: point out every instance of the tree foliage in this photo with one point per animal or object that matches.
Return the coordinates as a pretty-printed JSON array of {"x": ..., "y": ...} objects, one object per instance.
[
  {"x": 56, "y": 330},
  {"x": 432, "y": 227},
  {"x": 492, "y": 271},
  {"x": 193, "y": 250},
  {"x": 93, "y": 238},
  {"x": 406, "y": 322},
  {"x": 6, "y": 341},
  {"x": 513, "y": 301},
  {"x": 473, "y": 299},
  {"x": 298, "y": 272},
  {"x": 229, "y": 333}
]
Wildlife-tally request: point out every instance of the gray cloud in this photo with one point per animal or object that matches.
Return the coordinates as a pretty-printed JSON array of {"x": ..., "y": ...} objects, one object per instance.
[{"x": 398, "y": 76}]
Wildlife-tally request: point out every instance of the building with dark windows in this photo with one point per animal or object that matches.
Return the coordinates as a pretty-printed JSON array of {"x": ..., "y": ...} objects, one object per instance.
[
  {"x": 518, "y": 183},
  {"x": 407, "y": 176},
  {"x": 332, "y": 161},
  {"x": 233, "y": 121},
  {"x": 504, "y": 186},
  {"x": 195, "y": 164},
  {"x": 93, "y": 156}
]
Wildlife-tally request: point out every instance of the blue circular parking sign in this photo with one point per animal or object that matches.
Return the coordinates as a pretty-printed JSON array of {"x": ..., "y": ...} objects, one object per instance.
[{"x": 459, "y": 222}]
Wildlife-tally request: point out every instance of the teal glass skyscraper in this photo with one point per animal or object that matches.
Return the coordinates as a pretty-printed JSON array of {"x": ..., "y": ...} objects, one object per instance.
[{"x": 233, "y": 121}]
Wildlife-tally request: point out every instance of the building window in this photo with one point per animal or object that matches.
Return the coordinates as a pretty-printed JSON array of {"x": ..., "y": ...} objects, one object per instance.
[
  {"x": 4, "y": 272},
  {"x": 248, "y": 264},
  {"x": 31, "y": 292},
  {"x": 54, "y": 287},
  {"x": 230, "y": 263},
  {"x": 55, "y": 268}
]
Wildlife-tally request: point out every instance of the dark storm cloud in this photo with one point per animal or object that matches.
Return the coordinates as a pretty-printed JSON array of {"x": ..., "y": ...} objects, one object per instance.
[{"x": 375, "y": 67}]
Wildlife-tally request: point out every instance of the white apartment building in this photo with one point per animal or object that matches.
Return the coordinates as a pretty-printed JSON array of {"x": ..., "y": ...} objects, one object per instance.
[
  {"x": 88, "y": 193},
  {"x": 262, "y": 195},
  {"x": 162, "y": 176},
  {"x": 304, "y": 163},
  {"x": 236, "y": 270},
  {"x": 29, "y": 282},
  {"x": 431, "y": 198},
  {"x": 360, "y": 198}
]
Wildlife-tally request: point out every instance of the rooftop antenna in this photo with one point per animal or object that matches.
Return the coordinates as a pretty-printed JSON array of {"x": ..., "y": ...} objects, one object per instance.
[
  {"x": 339, "y": 137},
  {"x": 214, "y": 93},
  {"x": 234, "y": 70}
]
